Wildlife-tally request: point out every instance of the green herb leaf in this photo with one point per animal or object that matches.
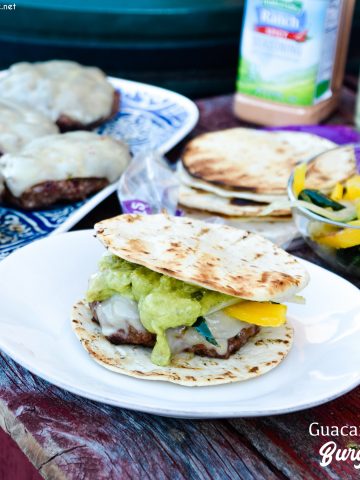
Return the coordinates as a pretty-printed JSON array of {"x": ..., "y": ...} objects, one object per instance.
[
  {"x": 198, "y": 295},
  {"x": 319, "y": 199},
  {"x": 201, "y": 327}
]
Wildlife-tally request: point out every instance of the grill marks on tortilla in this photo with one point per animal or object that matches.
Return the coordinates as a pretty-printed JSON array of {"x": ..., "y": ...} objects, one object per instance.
[
  {"x": 250, "y": 160},
  {"x": 137, "y": 245},
  {"x": 331, "y": 167},
  {"x": 214, "y": 256}
]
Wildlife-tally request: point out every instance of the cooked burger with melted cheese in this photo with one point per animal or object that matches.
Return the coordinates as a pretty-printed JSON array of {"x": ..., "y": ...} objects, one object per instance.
[
  {"x": 20, "y": 125},
  {"x": 69, "y": 94},
  {"x": 64, "y": 167},
  {"x": 182, "y": 289}
]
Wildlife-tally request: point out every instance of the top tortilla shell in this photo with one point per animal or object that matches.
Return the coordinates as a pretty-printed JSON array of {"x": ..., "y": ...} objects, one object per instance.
[
  {"x": 213, "y": 256},
  {"x": 250, "y": 160}
]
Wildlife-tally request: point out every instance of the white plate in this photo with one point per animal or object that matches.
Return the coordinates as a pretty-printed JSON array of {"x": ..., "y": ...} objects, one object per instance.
[
  {"x": 149, "y": 117},
  {"x": 45, "y": 278}
]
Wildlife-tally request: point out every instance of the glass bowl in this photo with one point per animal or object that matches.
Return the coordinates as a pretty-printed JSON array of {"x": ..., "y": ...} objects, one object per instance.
[{"x": 312, "y": 226}]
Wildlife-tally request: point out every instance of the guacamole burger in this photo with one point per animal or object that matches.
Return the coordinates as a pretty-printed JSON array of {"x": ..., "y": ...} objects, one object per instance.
[{"x": 186, "y": 301}]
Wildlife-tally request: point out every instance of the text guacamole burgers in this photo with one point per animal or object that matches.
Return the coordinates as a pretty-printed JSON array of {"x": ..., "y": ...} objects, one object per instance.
[{"x": 187, "y": 301}]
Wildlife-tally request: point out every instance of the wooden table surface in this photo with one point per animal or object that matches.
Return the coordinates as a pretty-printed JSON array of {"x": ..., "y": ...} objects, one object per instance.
[{"x": 68, "y": 437}]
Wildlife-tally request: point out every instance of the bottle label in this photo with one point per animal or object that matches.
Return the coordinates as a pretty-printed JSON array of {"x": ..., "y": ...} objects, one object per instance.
[{"x": 288, "y": 50}]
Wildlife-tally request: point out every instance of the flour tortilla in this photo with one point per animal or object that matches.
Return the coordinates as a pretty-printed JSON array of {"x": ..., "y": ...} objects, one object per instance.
[
  {"x": 189, "y": 181},
  {"x": 210, "y": 202},
  {"x": 250, "y": 160},
  {"x": 217, "y": 257},
  {"x": 336, "y": 165},
  {"x": 260, "y": 354}
]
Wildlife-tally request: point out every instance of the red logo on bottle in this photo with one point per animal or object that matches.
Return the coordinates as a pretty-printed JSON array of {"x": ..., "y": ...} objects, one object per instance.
[{"x": 280, "y": 33}]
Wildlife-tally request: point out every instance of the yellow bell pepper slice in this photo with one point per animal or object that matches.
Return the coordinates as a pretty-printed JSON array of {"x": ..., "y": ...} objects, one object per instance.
[
  {"x": 337, "y": 193},
  {"x": 299, "y": 178},
  {"x": 264, "y": 314},
  {"x": 344, "y": 238},
  {"x": 357, "y": 206},
  {"x": 317, "y": 229},
  {"x": 352, "y": 188}
]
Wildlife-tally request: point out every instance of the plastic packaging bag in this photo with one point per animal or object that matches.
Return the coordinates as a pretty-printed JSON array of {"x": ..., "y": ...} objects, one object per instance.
[{"x": 148, "y": 185}]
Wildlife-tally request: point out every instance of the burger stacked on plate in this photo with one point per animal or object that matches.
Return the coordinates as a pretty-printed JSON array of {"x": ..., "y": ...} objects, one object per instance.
[
  {"x": 38, "y": 166},
  {"x": 186, "y": 301},
  {"x": 237, "y": 173}
]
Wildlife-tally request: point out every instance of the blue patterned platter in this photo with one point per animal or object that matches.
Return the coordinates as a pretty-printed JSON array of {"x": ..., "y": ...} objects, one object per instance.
[{"x": 150, "y": 117}]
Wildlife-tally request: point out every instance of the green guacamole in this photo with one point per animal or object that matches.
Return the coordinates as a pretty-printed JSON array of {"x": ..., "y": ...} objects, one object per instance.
[{"x": 164, "y": 302}]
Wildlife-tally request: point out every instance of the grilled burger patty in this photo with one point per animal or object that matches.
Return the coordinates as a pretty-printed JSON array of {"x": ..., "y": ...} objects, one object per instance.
[
  {"x": 47, "y": 193},
  {"x": 67, "y": 124},
  {"x": 234, "y": 344},
  {"x": 134, "y": 336},
  {"x": 72, "y": 95}
]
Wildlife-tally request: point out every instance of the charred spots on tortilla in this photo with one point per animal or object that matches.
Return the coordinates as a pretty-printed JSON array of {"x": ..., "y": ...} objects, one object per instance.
[
  {"x": 132, "y": 218},
  {"x": 210, "y": 264},
  {"x": 273, "y": 362},
  {"x": 253, "y": 369},
  {"x": 167, "y": 270},
  {"x": 137, "y": 245},
  {"x": 204, "y": 231},
  {"x": 265, "y": 276}
]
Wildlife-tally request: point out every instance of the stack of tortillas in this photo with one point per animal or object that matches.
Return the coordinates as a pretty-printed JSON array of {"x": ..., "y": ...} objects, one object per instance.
[{"x": 237, "y": 173}]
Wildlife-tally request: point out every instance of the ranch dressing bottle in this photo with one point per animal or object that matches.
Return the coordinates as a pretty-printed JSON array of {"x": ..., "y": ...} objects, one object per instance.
[{"x": 292, "y": 60}]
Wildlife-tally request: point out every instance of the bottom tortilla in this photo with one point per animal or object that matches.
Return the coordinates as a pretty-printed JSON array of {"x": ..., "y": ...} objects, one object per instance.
[
  {"x": 202, "y": 200},
  {"x": 260, "y": 354}
]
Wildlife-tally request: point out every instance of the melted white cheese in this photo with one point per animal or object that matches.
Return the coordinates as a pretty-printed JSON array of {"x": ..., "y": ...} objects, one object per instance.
[
  {"x": 61, "y": 157},
  {"x": 19, "y": 125},
  {"x": 220, "y": 325},
  {"x": 118, "y": 313},
  {"x": 58, "y": 88}
]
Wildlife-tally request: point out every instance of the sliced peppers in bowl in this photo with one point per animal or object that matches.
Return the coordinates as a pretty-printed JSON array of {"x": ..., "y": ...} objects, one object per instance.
[{"x": 329, "y": 222}]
